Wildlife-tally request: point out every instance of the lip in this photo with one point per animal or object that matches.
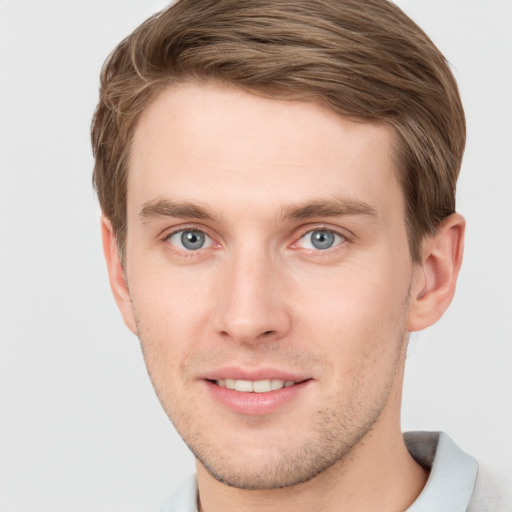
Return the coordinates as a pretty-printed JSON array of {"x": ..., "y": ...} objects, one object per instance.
[
  {"x": 254, "y": 374},
  {"x": 250, "y": 403}
]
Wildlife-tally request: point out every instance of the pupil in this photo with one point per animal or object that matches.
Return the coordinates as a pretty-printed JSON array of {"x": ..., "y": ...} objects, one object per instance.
[
  {"x": 322, "y": 239},
  {"x": 192, "y": 240}
]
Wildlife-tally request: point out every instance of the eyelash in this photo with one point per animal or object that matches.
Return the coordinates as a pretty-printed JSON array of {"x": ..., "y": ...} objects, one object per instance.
[
  {"x": 188, "y": 252},
  {"x": 344, "y": 238}
]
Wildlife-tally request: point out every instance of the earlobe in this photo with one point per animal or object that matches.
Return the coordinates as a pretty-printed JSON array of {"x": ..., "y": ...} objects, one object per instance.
[
  {"x": 436, "y": 275},
  {"x": 116, "y": 274}
]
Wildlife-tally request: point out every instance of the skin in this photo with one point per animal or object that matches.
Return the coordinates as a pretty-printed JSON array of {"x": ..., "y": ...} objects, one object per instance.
[{"x": 252, "y": 174}]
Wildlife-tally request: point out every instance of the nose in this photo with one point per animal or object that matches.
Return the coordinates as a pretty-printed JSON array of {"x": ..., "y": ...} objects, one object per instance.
[{"x": 252, "y": 302}]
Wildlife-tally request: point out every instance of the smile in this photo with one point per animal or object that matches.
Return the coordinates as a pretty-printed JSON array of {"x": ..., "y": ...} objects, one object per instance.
[
  {"x": 259, "y": 396},
  {"x": 254, "y": 386}
]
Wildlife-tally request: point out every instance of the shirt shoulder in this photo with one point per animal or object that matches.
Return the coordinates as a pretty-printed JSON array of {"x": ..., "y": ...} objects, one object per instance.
[
  {"x": 184, "y": 499},
  {"x": 486, "y": 497}
]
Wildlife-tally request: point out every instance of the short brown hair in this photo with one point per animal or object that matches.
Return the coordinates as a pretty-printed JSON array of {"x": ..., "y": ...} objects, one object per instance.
[{"x": 360, "y": 58}]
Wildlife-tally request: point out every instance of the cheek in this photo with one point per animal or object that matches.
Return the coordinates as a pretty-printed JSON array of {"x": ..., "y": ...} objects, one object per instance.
[
  {"x": 366, "y": 297},
  {"x": 356, "y": 316},
  {"x": 167, "y": 328},
  {"x": 171, "y": 313}
]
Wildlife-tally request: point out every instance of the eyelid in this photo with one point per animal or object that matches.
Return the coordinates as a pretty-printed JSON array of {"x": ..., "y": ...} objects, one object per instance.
[
  {"x": 168, "y": 233},
  {"x": 345, "y": 234},
  {"x": 172, "y": 230},
  {"x": 178, "y": 234}
]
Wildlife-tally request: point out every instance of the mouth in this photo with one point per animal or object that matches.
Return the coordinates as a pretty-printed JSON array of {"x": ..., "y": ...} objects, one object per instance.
[
  {"x": 255, "y": 386},
  {"x": 256, "y": 397}
]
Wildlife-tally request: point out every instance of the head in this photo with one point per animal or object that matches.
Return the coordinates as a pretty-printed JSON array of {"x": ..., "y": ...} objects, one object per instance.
[{"x": 277, "y": 180}]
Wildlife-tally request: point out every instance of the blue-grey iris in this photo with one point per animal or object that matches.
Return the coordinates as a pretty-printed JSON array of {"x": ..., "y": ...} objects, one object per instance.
[
  {"x": 192, "y": 240},
  {"x": 322, "y": 239}
]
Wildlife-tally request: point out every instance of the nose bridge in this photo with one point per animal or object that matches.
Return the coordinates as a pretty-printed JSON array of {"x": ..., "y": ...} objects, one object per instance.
[{"x": 250, "y": 307}]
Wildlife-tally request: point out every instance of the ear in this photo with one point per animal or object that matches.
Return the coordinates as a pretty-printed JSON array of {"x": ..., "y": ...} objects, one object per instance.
[
  {"x": 436, "y": 275},
  {"x": 116, "y": 275}
]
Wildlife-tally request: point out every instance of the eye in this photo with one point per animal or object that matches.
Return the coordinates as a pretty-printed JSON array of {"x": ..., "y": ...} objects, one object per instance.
[
  {"x": 320, "y": 239},
  {"x": 190, "y": 240}
]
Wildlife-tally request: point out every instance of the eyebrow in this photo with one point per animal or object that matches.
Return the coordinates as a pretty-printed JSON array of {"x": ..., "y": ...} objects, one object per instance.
[
  {"x": 169, "y": 208},
  {"x": 318, "y": 208},
  {"x": 338, "y": 207}
]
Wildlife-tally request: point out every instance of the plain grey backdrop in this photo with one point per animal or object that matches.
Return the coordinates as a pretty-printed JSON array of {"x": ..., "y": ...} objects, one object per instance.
[{"x": 80, "y": 427}]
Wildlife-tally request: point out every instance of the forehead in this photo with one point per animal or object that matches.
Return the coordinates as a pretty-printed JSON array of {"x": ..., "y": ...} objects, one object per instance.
[{"x": 212, "y": 143}]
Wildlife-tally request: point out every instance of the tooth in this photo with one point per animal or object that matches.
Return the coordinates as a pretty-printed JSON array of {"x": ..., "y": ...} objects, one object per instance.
[
  {"x": 243, "y": 385},
  {"x": 261, "y": 386},
  {"x": 258, "y": 386},
  {"x": 276, "y": 384}
]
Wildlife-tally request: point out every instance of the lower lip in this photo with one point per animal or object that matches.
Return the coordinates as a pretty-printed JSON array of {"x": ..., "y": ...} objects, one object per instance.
[{"x": 254, "y": 404}]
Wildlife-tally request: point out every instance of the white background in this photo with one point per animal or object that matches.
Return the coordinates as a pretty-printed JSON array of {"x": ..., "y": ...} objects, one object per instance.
[{"x": 81, "y": 429}]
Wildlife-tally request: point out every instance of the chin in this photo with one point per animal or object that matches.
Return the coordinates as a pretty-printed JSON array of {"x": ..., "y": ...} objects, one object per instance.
[
  {"x": 280, "y": 465},
  {"x": 279, "y": 473}
]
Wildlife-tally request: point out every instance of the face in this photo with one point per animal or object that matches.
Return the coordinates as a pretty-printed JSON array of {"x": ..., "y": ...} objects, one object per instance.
[{"x": 268, "y": 272}]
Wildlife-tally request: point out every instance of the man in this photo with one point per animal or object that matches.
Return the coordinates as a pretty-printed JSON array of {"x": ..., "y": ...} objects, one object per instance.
[{"x": 277, "y": 181}]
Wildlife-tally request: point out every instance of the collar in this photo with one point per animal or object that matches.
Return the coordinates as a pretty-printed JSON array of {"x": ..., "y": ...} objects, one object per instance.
[{"x": 452, "y": 472}]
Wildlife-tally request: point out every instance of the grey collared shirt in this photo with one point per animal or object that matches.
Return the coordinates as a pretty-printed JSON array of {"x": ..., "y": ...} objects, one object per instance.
[
  {"x": 452, "y": 485},
  {"x": 452, "y": 473}
]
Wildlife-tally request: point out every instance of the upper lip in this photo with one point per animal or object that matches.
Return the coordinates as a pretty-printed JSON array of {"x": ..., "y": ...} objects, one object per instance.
[{"x": 254, "y": 374}]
